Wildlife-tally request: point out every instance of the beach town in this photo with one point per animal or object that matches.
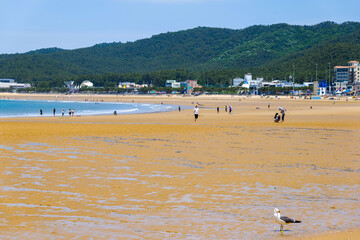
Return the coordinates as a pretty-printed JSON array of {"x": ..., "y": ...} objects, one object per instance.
[{"x": 344, "y": 81}]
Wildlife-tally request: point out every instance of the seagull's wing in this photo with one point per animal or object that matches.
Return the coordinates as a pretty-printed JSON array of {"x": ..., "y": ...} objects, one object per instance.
[{"x": 289, "y": 220}]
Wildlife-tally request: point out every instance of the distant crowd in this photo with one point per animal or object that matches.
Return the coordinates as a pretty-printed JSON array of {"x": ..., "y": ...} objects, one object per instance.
[{"x": 71, "y": 112}]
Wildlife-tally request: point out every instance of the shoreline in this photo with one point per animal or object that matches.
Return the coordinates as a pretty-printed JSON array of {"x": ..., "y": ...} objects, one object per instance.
[
  {"x": 82, "y": 106},
  {"x": 341, "y": 116}
]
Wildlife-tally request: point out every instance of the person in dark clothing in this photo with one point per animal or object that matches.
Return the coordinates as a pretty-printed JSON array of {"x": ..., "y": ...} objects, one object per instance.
[{"x": 277, "y": 117}]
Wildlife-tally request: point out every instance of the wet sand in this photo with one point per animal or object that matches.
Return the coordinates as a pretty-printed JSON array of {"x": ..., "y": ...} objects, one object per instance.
[{"x": 163, "y": 176}]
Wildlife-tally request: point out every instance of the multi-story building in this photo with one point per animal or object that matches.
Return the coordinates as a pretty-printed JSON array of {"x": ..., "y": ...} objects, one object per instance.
[
  {"x": 169, "y": 83},
  {"x": 350, "y": 73},
  {"x": 251, "y": 83},
  {"x": 191, "y": 84},
  {"x": 188, "y": 85}
]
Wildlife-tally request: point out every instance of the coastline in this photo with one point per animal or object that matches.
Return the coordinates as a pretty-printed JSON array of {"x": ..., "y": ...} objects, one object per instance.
[
  {"x": 249, "y": 115},
  {"x": 49, "y": 108}
]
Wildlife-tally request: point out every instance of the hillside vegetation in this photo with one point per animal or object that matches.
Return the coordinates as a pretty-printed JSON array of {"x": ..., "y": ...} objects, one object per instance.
[{"x": 211, "y": 55}]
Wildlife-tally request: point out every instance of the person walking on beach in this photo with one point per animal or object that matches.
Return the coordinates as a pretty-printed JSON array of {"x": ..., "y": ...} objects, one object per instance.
[
  {"x": 179, "y": 109},
  {"x": 196, "y": 112},
  {"x": 40, "y": 112},
  {"x": 230, "y": 109},
  {"x": 282, "y": 111},
  {"x": 54, "y": 111},
  {"x": 69, "y": 112},
  {"x": 62, "y": 112},
  {"x": 217, "y": 109},
  {"x": 225, "y": 108},
  {"x": 72, "y": 112}
]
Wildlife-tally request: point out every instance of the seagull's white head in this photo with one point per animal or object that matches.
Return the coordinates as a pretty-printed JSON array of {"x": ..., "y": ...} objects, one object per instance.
[{"x": 276, "y": 210}]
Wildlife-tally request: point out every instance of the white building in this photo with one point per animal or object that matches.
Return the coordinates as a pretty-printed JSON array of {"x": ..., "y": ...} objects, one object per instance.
[
  {"x": 249, "y": 83},
  {"x": 127, "y": 85},
  {"x": 168, "y": 83},
  {"x": 322, "y": 88},
  {"x": 172, "y": 84},
  {"x": 237, "y": 82},
  {"x": 7, "y": 83},
  {"x": 86, "y": 83},
  {"x": 248, "y": 77}
]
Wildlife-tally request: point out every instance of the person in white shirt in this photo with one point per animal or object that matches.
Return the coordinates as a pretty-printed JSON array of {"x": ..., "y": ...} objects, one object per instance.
[{"x": 196, "y": 112}]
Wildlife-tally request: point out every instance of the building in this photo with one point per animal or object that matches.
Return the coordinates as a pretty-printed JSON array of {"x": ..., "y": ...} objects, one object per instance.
[
  {"x": 248, "y": 77},
  {"x": 127, "y": 85},
  {"x": 71, "y": 86},
  {"x": 308, "y": 84},
  {"x": 341, "y": 87},
  {"x": 168, "y": 83},
  {"x": 251, "y": 84},
  {"x": 350, "y": 73},
  {"x": 8, "y": 83},
  {"x": 237, "y": 82},
  {"x": 191, "y": 84},
  {"x": 322, "y": 88},
  {"x": 86, "y": 83},
  {"x": 172, "y": 84}
]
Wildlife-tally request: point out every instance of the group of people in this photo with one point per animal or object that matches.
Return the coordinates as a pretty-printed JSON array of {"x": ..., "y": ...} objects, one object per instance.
[
  {"x": 226, "y": 109},
  {"x": 280, "y": 115},
  {"x": 196, "y": 111},
  {"x": 71, "y": 112}
]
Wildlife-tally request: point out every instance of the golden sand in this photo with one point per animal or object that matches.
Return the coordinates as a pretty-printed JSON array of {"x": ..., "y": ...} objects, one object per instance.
[{"x": 163, "y": 176}]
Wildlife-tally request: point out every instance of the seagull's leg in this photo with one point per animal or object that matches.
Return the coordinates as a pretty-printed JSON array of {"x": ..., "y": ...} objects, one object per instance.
[{"x": 281, "y": 228}]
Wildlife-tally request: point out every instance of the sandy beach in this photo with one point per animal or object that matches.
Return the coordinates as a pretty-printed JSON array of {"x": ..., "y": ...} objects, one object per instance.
[{"x": 165, "y": 176}]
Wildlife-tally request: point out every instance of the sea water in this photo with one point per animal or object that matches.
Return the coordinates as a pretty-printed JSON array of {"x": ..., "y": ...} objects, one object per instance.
[{"x": 31, "y": 108}]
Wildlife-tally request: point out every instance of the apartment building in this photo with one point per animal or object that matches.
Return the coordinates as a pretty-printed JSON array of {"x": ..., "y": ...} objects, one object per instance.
[{"x": 349, "y": 73}]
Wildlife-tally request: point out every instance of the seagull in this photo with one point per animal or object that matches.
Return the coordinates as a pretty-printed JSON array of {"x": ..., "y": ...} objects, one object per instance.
[{"x": 282, "y": 220}]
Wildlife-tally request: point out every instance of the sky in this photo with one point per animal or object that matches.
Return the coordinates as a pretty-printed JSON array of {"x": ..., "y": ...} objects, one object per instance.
[{"x": 27, "y": 25}]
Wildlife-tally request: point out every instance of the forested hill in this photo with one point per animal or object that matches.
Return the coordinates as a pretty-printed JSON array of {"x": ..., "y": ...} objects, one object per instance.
[{"x": 271, "y": 50}]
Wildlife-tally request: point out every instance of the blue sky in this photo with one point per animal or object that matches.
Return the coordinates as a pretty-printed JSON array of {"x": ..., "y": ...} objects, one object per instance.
[{"x": 34, "y": 24}]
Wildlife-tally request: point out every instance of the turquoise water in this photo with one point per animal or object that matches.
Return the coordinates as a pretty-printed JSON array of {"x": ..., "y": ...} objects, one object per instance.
[{"x": 31, "y": 108}]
